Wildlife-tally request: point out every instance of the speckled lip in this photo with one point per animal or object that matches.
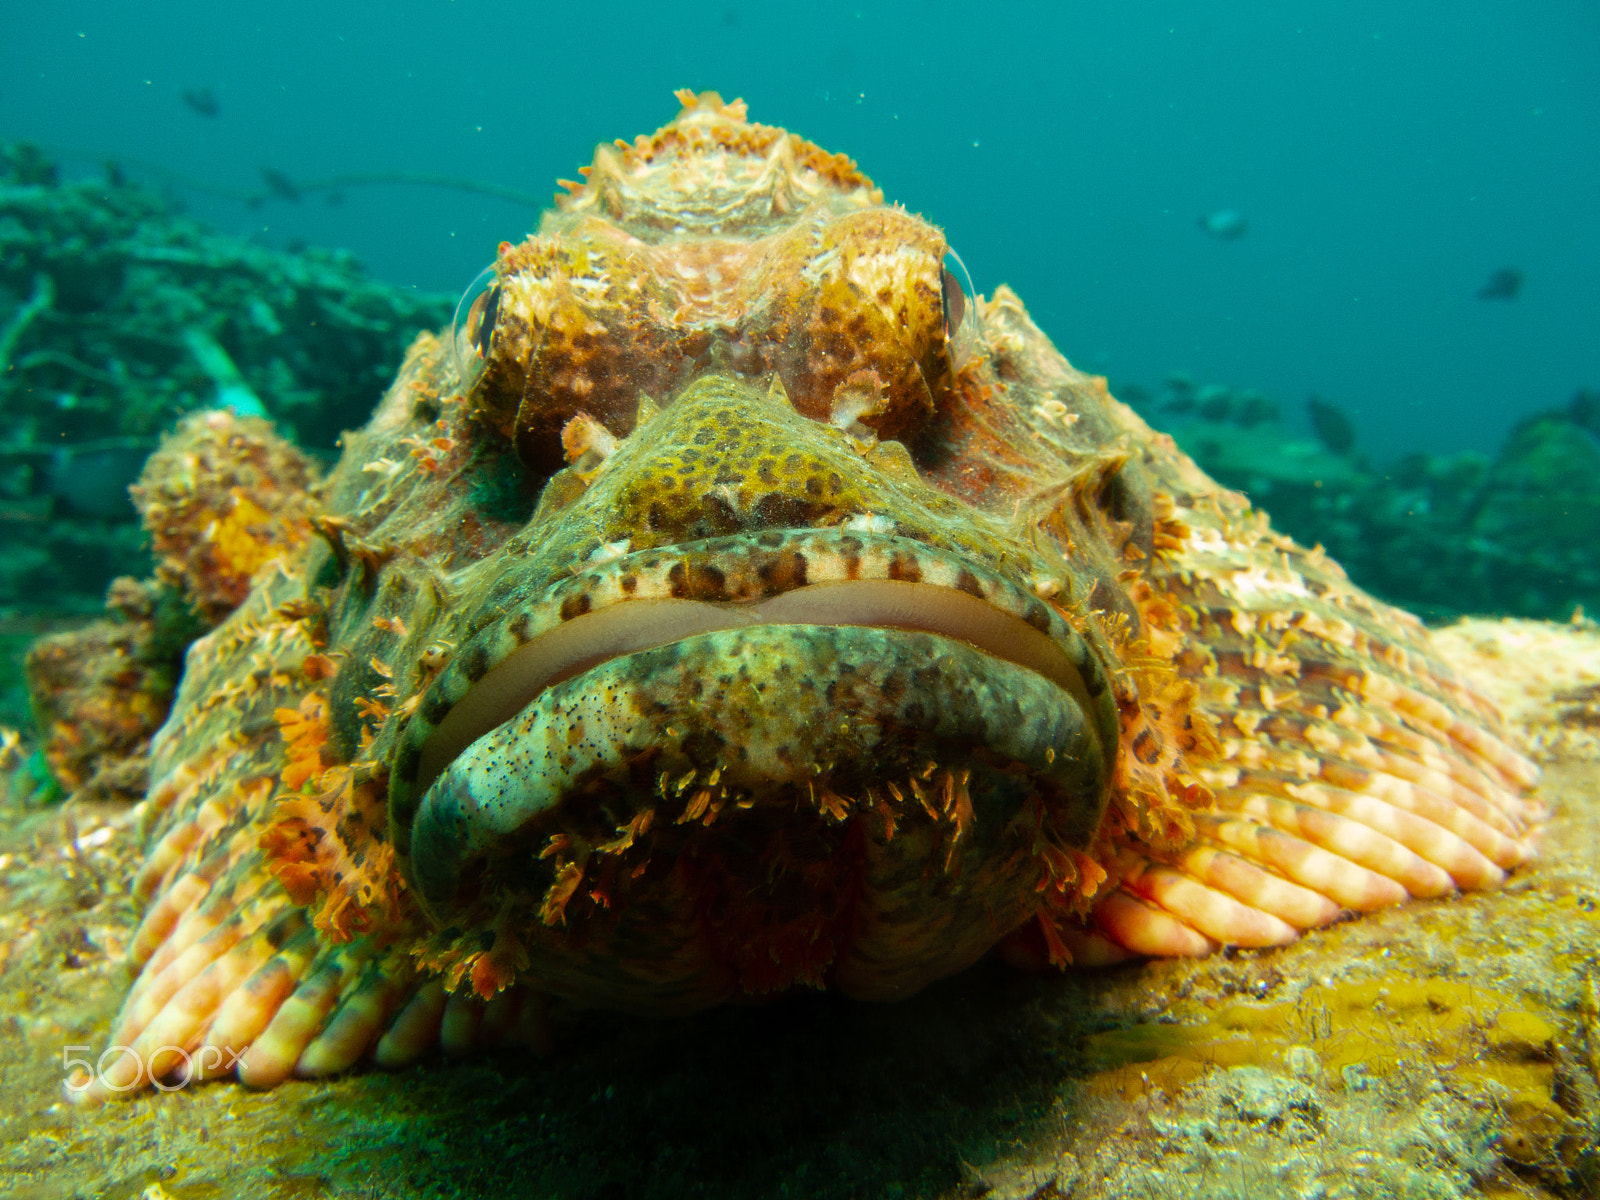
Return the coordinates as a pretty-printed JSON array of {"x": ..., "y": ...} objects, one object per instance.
[
  {"x": 826, "y": 578},
  {"x": 760, "y": 704},
  {"x": 597, "y": 637}
]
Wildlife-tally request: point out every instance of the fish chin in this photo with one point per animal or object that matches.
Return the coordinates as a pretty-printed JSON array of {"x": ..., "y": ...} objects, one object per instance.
[{"x": 768, "y": 716}]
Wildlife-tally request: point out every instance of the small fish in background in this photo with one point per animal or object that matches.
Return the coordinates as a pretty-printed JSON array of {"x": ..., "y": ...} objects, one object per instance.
[
  {"x": 1332, "y": 427},
  {"x": 202, "y": 100},
  {"x": 1584, "y": 410},
  {"x": 280, "y": 185},
  {"x": 89, "y": 479},
  {"x": 1225, "y": 224},
  {"x": 1504, "y": 284},
  {"x": 92, "y": 479}
]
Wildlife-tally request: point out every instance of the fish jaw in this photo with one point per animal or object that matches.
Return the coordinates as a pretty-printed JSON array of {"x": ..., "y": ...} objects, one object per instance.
[
  {"x": 884, "y": 686},
  {"x": 778, "y": 739}
]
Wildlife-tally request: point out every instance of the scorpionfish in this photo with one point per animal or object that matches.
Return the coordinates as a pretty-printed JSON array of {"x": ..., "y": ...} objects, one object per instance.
[{"x": 733, "y": 602}]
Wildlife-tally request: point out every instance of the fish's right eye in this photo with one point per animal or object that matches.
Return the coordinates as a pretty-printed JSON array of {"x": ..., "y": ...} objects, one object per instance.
[
  {"x": 473, "y": 332},
  {"x": 958, "y": 300}
]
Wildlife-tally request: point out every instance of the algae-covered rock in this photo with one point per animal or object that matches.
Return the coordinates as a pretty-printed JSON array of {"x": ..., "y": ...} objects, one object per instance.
[
  {"x": 116, "y": 284},
  {"x": 118, "y": 315},
  {"x": 1541, "y": 501},
  {"x": 101, "y": 692},
  {"x": 1443, "y": 535}
]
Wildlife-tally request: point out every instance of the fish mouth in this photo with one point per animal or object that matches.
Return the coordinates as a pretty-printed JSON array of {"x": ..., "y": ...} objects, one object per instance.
[{"x": 659, "y": 683}]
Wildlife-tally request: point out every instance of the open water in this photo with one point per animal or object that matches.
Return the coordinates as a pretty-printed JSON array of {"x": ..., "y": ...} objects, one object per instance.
[{"x": 1387, "y": 158}]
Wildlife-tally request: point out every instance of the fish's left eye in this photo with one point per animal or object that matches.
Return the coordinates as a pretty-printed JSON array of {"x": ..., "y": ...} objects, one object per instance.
[
  {"x": 473, "y": 334},
  {"x": 960, "y": 308},
  {"x": 954, "y": 300}
]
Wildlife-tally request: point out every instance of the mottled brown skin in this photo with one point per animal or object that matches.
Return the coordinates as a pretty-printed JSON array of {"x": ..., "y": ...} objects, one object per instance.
[{"x": 1186, "y": 731}]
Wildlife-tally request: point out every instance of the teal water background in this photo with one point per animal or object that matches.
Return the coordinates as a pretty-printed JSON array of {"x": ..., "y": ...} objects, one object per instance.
[{"x": 1389, "y": 157}]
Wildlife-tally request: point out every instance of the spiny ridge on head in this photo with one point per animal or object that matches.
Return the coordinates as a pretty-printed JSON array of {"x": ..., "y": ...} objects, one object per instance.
[{"x": 710, "y": 170}]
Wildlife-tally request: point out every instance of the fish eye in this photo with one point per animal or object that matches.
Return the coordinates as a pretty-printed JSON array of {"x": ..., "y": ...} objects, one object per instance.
[
  {"x": 473, "y": 332},
  {"x": 953, "y": 300},
  {"x": 960, "y": 309}
]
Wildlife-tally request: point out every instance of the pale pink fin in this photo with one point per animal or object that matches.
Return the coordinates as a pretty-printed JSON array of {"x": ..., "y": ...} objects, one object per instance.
[
  {"x": 458, "y": 1028},
  {"x": 177, "y": 1008},
  {"x": 1214, "y": 914},
  {"x": 271, "y": 1058},
  {"x": 1467, "y": 868},
  {"x": 163, "y": 916},
  {"x": 1501, "y": 848},
  {"x": 233, "y": 907},
  {"x": 1143, "y": 928},
  {"x": 1256, "y": 886},
  {"x": 1328, "y": 874},
  {"x": 415, "y": 1030},
  {"x": 1349, "y": 840},
  {"x": 1355, "y": 768},
  {"x": 1089, "y": 948},
  {"x": 328, "y": 977},
  {"x": 245, "y": 1013},
  {"x": 361, "y": 1018}
]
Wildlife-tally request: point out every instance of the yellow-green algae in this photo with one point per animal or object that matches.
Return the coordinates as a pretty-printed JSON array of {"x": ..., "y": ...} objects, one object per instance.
[{"x": 1444, "y": 1049}]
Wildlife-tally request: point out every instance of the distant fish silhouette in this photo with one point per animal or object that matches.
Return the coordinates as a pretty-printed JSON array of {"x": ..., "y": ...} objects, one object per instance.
[
  {"x": 89, "y": 479},
  {"x": 280, "y": 185},
  {"x": 1332, "y": 427},
  {"x": 1504, "y": 284},
  {"x": 1226, "y": 224},
  {"x": 1585, "y": 410},
  {"x": 202, "y": 100}
]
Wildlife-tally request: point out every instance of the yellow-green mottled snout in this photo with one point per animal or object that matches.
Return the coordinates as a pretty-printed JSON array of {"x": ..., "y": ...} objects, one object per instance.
[{"x": 750, "y": 625}]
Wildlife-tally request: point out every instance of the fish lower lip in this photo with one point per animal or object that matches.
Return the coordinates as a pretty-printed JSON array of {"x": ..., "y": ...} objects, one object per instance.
[
  {"x": 592, "y": 639},
  {"x": 765, "y": 707}
]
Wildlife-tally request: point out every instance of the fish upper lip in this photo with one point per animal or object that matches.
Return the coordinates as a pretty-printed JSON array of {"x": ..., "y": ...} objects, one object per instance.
[{"x": 568, "y": 632}]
